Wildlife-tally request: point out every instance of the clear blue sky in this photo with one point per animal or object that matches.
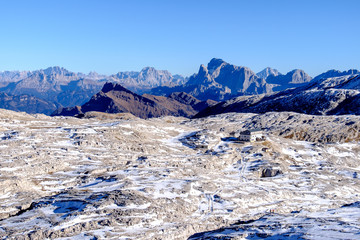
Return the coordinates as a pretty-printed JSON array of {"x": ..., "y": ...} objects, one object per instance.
[{"x": 109, "y": 36}]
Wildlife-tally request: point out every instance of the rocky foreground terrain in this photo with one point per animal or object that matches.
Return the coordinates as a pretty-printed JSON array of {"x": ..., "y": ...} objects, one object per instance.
[{"x": 120, "y": 177}]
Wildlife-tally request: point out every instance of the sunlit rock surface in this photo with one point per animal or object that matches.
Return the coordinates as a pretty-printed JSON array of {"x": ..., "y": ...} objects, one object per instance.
[{"x": 120, "y": 177}]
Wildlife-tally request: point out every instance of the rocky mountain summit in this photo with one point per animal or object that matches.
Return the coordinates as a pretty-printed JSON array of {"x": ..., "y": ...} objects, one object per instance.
[
  {"x": 63, "y": 88},
  {"x": 264, "y": 74},
  {"x": 336, "y": 73},
  {"x": 220, "y": 80},
  {"x": 56, "y": 87},
  {"x": 7, "y": 77},
  {"x": 146, "y": 79},
  {"x": 116, "y": 176},
  {"x": 114, "y": 98},
  {"x": 330, "y": 96},
  {"x": 294, "y": 78}
]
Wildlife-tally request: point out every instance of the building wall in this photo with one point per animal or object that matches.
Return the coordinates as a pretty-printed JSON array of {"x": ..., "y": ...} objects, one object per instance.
[
  {"x": 252, "y": 137},
  {"x": 244, "y": 137}
]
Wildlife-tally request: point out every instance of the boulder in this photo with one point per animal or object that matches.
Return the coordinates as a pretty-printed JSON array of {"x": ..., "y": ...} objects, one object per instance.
[{"x": 270, "y": 172}]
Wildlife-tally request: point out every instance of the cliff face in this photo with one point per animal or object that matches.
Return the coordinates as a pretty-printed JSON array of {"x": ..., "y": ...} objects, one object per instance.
[{"x": 220, "y": 81}]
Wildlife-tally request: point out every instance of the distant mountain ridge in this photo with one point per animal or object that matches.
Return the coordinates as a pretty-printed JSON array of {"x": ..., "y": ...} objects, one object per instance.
[
  {"x": 264, "y": 74},
  {"x": 216, "y": 81},
  {"x": 61, "y": 88},
  {"x": 114, "y": 98},
  {"x": 329, "y": 96},
  {"x": 25, "y": 103},
  {"x": 336, "y": 73},
  {"x": 146, "y": 79},
  {"x": 220, "y": 80}
]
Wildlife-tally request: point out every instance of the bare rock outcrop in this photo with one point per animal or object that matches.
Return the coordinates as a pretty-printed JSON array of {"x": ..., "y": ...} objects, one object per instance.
[{"x": 119, "y": 176}]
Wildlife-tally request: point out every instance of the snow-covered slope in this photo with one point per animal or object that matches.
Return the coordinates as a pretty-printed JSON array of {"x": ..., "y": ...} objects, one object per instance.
[
  {"x": 331, "y": 96},
  {"x": 120, "y": 177}
]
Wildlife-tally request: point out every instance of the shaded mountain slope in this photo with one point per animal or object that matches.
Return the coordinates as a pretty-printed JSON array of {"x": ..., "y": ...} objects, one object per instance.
[
  {"x": 339, "y": 95},
  {"x": 294, "y": 78},
  {"x": 26, "y": 103},
  {"x": 195, "y": 103},
  {"x": 113, "y": 98},
  {"x": 336, "y": 73}
]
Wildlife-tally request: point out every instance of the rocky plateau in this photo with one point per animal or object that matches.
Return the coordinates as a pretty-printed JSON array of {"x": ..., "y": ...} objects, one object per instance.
[{"x": 116, "y": 176}]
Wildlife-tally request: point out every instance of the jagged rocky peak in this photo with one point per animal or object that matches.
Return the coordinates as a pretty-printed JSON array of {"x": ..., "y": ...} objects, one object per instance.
[
  {"x": 150, "y": 74},
  {"x": 215, "y": 63},
  {"x": 219, "y": 80},
  {"x": 292, "y": 78},
  {"x": 109, "y": 86},
  {"x": 13, "y": 76},
  {"x": 298, "y": 76},
  {"x": 352, "y": 71},
  {"x": 149, "y": 70},
  {"x": 268, "y": 72},
  {"x": 57, "y": 71},
  {"x": 336, "y": 73},
  {"x": 93, "y": 75},
  {"x": 203, "y": 70},
  {"x": 202, "y": 77},
  {"x": 147, "y": 78}
]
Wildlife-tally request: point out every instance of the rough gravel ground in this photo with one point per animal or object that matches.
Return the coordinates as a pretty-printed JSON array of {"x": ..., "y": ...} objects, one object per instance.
[{"x": 173, "y": 178}]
